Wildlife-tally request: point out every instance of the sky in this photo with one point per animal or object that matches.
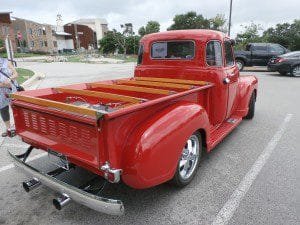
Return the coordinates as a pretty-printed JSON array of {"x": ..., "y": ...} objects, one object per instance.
[{"x": 267, "y": 13}]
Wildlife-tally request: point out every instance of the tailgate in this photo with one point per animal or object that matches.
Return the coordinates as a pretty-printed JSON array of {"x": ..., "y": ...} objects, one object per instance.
[{"x": 75, "y": 137}]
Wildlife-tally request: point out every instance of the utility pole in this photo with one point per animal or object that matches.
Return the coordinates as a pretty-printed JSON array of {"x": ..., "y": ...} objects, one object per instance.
[
  {"x": 229, "y": 25},
  {"x": 76, "y": 37}
]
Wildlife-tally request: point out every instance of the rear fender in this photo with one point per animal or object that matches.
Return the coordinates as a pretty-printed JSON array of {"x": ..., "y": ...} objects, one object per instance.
[
  {"x": 153, "y": 149},
  {"x": 247, "y": 85}
]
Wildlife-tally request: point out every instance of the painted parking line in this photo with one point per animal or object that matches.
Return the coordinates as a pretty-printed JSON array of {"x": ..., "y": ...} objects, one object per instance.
[
  {"x": 14, "y": 146},
  {"x": 227, "y": 211},
  {"x": 10, "y": 166}
]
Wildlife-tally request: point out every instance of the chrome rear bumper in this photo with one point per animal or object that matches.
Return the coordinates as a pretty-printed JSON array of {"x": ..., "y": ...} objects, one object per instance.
[{"x": 100, "y": 204}]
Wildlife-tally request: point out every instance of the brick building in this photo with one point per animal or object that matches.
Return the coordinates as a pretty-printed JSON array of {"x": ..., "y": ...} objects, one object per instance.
[
  {"x": 6, "y": 29},
  {"x": 82, "y": 35},
  {"x": 36, "y": 37}
]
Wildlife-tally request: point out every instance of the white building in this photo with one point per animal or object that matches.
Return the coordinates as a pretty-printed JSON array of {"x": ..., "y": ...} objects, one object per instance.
[
  {"x": 98, "y": 25},
  {"x": 61, "y": 39}
]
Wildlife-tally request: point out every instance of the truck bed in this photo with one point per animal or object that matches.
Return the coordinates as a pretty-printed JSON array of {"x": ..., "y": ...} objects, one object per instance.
[
  {"x": 74, "y": 119},
  {"x": 101, "y": 98}
]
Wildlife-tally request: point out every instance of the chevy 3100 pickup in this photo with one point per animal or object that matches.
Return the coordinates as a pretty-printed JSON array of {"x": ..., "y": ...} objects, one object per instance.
[{"x": 185, "y": 97}]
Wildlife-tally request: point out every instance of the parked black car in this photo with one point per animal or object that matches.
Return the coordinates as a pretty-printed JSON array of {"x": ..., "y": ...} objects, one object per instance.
[
  {"x": 258, "y": 54},
  {"x": 288, "y": 63}
]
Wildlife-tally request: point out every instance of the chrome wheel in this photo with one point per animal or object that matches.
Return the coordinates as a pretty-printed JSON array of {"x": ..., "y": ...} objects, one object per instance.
[
  {"x": 189, "y": 158},
  {"x": 239, "y": 65},
  {"x": 296, "y": 71}
]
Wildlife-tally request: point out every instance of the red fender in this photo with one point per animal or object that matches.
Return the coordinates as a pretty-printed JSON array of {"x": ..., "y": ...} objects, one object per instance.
[
  {"x": 153, "y": 149},
  {"x": 247, "y": 84}
]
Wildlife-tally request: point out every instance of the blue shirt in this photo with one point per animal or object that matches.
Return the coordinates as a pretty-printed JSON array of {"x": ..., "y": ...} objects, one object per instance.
[{"x": 4, "y": 91}]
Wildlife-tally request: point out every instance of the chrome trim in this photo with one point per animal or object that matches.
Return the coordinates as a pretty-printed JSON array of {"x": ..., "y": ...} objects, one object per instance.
[
  {"x": 31, "y": 184},
  {"x": 61, "y": 201},
  {"x": 100, "y": 204}
]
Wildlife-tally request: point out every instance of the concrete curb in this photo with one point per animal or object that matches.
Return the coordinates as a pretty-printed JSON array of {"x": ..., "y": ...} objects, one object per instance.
[{"x": 31, "y": 80}]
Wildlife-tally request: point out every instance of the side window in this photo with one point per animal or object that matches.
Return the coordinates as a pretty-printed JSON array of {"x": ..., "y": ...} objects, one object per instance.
[
  {"x": 259, "y": 47},
  {"x": 276, "y": 49},
  {"x": 228, "y": 54},
  {"x": 214, "y": 53},
  {"x": 140, "y": 55}
]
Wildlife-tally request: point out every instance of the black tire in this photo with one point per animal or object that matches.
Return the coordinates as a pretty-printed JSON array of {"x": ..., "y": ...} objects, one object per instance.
[
  {"x": 178, "y": 179},
  {"x": 240, "y": 64},
  {"x": 295, "y": 71},
  {"x": 283, "y": 73},
  {"x": 251, "y": 110}
]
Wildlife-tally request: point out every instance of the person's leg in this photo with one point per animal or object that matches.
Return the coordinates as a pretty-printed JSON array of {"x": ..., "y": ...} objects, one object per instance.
[{"x": 6, "y": 119}]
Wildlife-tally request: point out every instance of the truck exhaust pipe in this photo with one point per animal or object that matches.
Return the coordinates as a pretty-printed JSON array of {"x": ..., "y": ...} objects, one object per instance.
[
  {"x": 61, "y": 201},
  {"x": 31, "y": 184}
]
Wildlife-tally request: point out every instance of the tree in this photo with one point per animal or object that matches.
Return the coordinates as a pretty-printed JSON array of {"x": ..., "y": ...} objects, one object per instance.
[
  {"x": 116, "y": 41},
  {"x": 285, "y": 34},
  {"x": 190, "y": 20},
  {"x": 295, "y": 39},
  {"x": 108, "y": 43},
  {"x": 121, "y": 42},
  {"x": 250, "y": 34},
  {"x": 218, "y": 23},
  {"x": 132, "y": 44},
  {"x": 151, "y": 27}
]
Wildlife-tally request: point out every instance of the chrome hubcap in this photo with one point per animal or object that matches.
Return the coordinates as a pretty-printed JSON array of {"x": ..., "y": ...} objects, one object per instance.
[
  {"x": 189, "y": 158},
  {"x": 239, "y": 65},
  {"x": 296, "y": 71}
]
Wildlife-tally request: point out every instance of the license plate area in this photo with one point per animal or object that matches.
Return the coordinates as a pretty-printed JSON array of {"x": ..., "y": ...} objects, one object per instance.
[{"x": 58, "y": 159}]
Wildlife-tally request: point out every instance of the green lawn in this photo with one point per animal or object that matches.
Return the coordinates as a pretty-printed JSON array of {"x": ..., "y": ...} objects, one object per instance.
[
  {"x": 24, "y": 74},
  {"x": 21, "y": 55},
  {"x": 74, "y": 58}
]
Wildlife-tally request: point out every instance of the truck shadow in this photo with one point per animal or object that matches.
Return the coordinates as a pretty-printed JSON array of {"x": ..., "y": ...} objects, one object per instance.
[{"x": 163, "y": 200}]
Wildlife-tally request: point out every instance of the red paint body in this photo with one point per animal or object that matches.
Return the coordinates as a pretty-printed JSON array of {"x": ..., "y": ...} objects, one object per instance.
[{"x": 145, "y": 140}]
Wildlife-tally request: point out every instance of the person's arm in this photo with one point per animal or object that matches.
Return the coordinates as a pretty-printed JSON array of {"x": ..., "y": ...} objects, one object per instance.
[
  {"x": 6, "y": 83},
  {"x": 13, "y": 70}
]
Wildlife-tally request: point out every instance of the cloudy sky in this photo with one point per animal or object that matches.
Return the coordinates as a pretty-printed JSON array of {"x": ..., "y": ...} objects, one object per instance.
[{"x": 138, "y": 12}]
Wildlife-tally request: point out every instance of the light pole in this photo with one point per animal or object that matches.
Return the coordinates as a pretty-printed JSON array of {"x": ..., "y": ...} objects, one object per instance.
[{"x": 229, "y": 25}]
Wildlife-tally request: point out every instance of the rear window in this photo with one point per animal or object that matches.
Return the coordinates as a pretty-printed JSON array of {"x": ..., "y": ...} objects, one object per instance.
[{"x": 173, "y": 50}]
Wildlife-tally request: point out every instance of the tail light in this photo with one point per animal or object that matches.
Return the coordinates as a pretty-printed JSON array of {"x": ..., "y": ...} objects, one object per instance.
[{"x": 279, "y": 60}]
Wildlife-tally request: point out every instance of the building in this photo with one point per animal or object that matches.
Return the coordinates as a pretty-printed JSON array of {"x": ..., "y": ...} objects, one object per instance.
[
  {"x": 6, "y": 30},
  {"x": 62, "y": 41},
  {"x": 98, "y": 25},
  {"x": 82, "y": 35},
  {"x": 34, "y": 36}
]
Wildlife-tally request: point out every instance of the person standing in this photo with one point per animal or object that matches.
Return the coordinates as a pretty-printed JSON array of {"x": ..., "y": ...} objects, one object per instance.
[{"x": 6, "y": 87}]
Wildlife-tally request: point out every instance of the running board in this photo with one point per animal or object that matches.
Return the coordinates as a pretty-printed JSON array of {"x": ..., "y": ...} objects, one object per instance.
[{"x": 217, "y": 135}]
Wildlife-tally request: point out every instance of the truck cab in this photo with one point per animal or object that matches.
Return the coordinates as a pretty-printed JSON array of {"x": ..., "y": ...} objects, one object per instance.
[{"x": 195, "y": 55}]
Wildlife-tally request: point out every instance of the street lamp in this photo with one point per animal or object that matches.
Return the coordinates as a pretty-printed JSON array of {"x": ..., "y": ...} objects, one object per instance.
[{"x": 229, "y": 25}]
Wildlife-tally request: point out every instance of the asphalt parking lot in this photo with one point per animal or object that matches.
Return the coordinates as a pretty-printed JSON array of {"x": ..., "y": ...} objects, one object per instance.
[{"x": 249, "y": 178}]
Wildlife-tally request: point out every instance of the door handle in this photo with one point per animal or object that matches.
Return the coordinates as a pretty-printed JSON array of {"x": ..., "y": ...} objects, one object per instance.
[{"x": 226, "y": 80}]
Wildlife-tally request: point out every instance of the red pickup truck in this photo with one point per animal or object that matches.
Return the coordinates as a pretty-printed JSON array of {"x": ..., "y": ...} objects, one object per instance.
[{"x": 185, "y": 97}]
